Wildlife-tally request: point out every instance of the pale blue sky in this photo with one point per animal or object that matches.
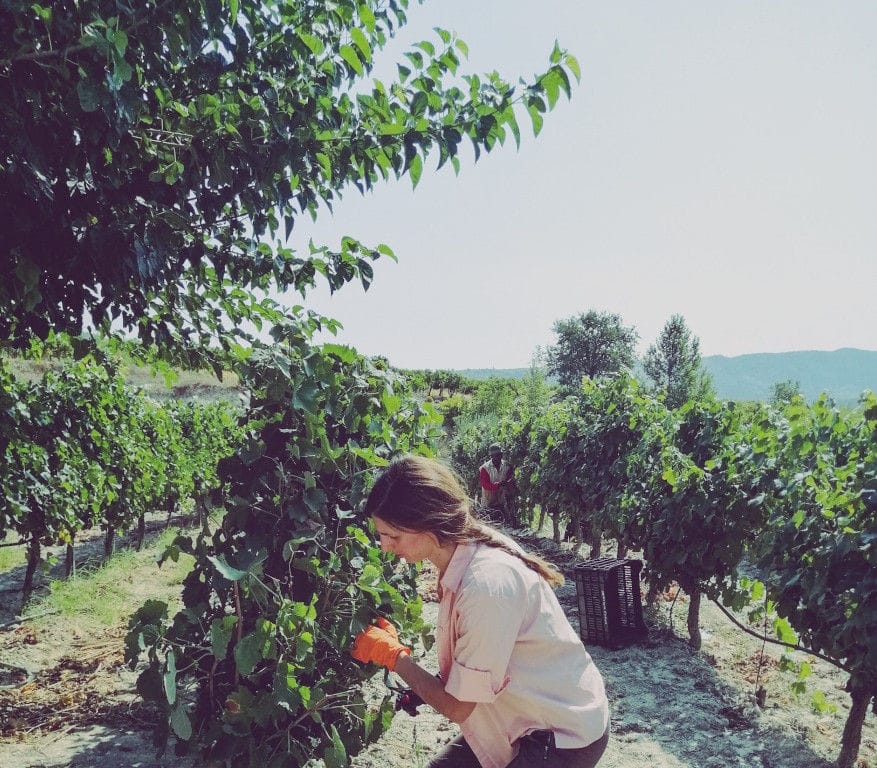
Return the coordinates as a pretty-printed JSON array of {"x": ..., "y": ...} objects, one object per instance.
[{"x": 718, "y": 160}]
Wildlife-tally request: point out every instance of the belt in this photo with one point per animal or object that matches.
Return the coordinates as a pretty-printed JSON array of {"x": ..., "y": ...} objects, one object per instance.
[{"x": 545, "y": 739}]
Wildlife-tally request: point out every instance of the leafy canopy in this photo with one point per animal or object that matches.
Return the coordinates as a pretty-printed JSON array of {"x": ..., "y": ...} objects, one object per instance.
[
  {"x": 674, "y": 364},
  {"x": 590, "y": 344},
  {"x": 155, "y": 156}
]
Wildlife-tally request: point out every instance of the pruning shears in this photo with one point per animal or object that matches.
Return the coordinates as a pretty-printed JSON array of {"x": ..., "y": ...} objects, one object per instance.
[{"x": 406, "y": 698}]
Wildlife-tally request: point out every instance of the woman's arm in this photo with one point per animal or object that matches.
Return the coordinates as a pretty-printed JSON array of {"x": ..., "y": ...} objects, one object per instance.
[{"x": 432, "y": 690}]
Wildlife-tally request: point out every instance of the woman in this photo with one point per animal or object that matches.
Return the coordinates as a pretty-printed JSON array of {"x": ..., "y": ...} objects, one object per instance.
[{"x": 513, "y": 672}]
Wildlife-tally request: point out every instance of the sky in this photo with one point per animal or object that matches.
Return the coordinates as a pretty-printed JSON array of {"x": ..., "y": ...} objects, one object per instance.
[{"x": 717, "y": 161}]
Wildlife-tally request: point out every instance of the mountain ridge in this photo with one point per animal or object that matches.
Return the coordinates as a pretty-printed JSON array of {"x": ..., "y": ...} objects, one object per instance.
[{"x": 843, "y": 373}]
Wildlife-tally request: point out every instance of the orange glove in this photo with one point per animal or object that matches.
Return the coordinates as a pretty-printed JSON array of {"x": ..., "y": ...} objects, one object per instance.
[{"x": 379, "y": 644}]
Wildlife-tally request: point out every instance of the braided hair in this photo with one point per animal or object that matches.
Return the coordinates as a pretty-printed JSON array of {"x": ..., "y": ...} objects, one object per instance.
[{"x": 418, "y": 494}]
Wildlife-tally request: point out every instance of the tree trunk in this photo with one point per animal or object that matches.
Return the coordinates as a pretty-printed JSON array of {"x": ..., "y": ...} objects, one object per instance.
[
  {"x": 110, "y": 542},
  {"x": 852, "y": 735},
  {"x": 694, "y": 639},
  {"x": 33, "y": 559},
  {"x": 70, "y": 561},
  {"x": 171, "y": 508},
  {"x": 622, "y": 550},
  {"x": 574, "y": 533},
  {"x": 141, "y": 531},
  {"x": 541, "y": 519},
  {"x": 201, "y": 512},
  {"x": 596, "y": 542},
  {"x": 555, "y": 519}
]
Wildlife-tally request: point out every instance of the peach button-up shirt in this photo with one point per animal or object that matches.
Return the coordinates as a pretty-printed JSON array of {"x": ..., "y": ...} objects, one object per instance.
[{"x": 505, "y": 643}]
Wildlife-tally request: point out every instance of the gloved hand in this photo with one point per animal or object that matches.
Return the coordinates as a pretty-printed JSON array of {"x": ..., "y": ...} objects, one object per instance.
[{"x": 379, "y": 644}]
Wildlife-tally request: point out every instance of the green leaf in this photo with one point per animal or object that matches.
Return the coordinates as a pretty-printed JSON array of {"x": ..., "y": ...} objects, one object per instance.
[
  {"x": 44, "y": 13},
  {"x": 220, "y": 635},
  {"x": 348, "y": 53},
  {"x": 249, "y": 652},
  {"x": 784, "y": 631},
  {"x": 122, "y": 71},
  {"x": 368, "y": 17},
  {"x": 756, "y": 590},
  {"x": 233, "y": 10},
  {"x": 361, "y": 42},
  {"x": 419, "y": 103},
  {"x": 415, "y": 168},
  {"x": 170, "y": 678},
  {"x": 335, "y": 756},
  {"x": 821, "y": 705},
  {"x": 536, "y": 118},
  {"x": 315, "y": 500},
  {"x": 572, "y": 64},
  {"x": 344, "y": 353},
  {"x": 89, "y": 95},
  {"x": 325, "y": 164},
  {"x": 512, "y": 122},
  {"x": 228, "y": 571},
  {"x": 551, "y": 83},
  {"x": 150, "y": 684},
  {"x": 120, "y": 41},
  {"x": 385, "y": 250},
  {"x": 305, "y": 396},
  {"x": 180, "y": 723},
  {"x": 314, "y": 43}
]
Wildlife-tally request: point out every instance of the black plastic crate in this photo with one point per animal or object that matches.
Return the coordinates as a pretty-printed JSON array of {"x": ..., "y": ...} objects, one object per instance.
[{"x": 610, "y": 606}]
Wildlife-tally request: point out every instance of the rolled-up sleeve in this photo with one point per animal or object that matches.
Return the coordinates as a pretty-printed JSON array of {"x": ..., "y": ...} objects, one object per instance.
[{"x": 487, "y": 630}]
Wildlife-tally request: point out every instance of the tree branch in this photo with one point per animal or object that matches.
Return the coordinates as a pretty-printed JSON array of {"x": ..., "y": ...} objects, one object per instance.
[
  {"x": 63, "y": 53},
  {"x": 766, "y": 639}
]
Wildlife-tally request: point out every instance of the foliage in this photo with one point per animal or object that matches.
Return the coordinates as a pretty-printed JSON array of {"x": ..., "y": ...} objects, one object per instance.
[
  {"x": 81, "y": 449},
  {"x": 154, "y": 155},
  {"x": 590, "y": 344},
  {"x": 674, "y": 365},
  {"x": 695, "y": 502},
  {"x": 613, "y": 414},
  {"x": 499, "y": 410},
  {"x": 451, "y": 407},
  {"x": 822, "y": 559},
  {"x": 255, "y": 668},
  {"x": 783, "y": 392}
]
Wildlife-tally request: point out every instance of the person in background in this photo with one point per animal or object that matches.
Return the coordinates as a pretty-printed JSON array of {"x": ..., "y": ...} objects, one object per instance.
[
  {"x": 512, "y": 670},
  {"x": 497, "y": 482}
]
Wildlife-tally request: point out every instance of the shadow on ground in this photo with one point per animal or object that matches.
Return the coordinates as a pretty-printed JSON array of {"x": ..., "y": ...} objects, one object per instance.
[{"x": 99, "y": 746}]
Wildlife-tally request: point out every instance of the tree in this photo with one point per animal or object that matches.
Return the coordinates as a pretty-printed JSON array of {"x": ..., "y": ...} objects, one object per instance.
[
  {"x": 592, "y": 344},
  {"x": 783, "y": 392},
  {"x": 154, "y": 155},
  {"x": 674, "y": 364}
]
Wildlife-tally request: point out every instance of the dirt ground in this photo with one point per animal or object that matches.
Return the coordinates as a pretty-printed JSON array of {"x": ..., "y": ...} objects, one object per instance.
[{"x": 672, "y": 707}]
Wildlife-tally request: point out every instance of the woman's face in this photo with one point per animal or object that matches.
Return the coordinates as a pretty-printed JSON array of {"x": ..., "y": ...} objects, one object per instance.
[{"x": 409, "y": 545}]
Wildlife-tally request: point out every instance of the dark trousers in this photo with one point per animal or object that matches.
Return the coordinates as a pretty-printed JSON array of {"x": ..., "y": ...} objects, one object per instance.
[{"x": 536, "y": 750}]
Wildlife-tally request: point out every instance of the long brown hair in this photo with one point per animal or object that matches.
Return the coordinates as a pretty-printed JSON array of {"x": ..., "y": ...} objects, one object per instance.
[{"x": 418, "y": 494}]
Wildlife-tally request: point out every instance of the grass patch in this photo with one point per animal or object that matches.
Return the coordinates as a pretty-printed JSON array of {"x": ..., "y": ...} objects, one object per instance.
[
  {"x": 12, "y": 557},
  {"x": 107, "y": 595}
]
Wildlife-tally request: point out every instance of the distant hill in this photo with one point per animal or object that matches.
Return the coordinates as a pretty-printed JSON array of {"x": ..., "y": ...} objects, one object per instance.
[
  {"x": 480, "y": 374},
  {"x": 843, "y": 373}
]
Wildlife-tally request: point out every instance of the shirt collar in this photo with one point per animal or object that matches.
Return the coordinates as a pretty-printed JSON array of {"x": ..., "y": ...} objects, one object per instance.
[{"x": 457, "y": 566}]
